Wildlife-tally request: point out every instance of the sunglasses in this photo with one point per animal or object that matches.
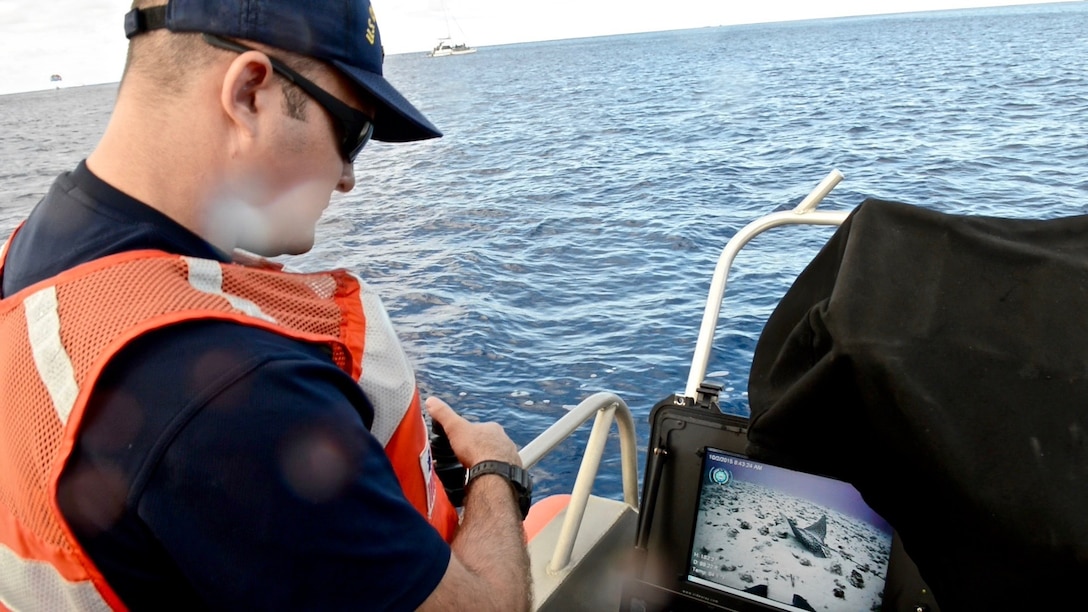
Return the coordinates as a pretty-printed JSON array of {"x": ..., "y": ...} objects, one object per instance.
[{"x": 353, "y": 127}]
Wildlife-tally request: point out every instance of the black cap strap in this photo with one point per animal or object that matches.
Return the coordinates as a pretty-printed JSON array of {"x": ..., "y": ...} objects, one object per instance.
[{"x": 138, "y": 21}]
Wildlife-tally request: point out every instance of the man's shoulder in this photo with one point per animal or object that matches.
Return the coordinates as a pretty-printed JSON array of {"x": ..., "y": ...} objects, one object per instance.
[
  {"x": 209, "y": 380},
  {"x": 81, "y": 219}
]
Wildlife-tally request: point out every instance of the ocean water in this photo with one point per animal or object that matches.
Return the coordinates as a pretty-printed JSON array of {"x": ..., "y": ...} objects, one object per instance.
[{"x": 560, "y": 239}]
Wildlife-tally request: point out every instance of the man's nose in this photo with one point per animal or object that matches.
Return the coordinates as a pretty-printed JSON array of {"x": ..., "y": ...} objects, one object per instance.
[{"x": 347, "y": 178}]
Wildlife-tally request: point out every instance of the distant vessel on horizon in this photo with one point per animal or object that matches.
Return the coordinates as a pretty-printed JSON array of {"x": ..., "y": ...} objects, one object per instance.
[
  {"x": 55, "y": 78},
  {"x": 447, "y": 45}
]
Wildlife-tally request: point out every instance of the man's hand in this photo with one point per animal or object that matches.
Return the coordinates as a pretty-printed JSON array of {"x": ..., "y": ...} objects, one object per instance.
[
  {"x": 489, "y": 567},
  {"x": 473, "y": 442}
]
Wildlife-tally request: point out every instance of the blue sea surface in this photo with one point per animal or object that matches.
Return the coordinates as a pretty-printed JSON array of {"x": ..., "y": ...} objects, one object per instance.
[{"x": 560, "y": 239}]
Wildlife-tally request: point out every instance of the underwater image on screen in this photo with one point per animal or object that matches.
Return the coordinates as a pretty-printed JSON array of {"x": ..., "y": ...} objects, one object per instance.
[{"x": 792, "y": 540}]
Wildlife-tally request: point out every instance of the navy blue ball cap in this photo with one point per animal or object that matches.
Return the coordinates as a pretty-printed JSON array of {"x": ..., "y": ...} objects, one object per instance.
[{"x": 343, "y": 33}]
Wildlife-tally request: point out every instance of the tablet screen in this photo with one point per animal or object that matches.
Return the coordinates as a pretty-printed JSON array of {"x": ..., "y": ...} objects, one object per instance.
[{"x": 786, "y": 539}]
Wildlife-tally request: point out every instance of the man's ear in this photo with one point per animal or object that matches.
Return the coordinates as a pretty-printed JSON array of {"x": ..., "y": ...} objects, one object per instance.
[{"x": 246, "y": 89}]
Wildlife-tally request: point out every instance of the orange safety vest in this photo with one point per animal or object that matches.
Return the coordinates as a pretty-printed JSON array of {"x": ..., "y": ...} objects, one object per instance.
[{"x": 57, "y": 336}]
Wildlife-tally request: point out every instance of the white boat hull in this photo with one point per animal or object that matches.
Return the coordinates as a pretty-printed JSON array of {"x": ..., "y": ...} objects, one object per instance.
[{"x": 447, "y": 52}]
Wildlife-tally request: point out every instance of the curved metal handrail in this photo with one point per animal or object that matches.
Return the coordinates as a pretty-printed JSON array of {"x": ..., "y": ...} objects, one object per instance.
[
  {"x": 803, "y": 214},
  {"x": 607, "y": 407}
]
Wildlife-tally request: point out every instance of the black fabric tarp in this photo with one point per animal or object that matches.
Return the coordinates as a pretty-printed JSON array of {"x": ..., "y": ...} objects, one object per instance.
[{"x": 940, "y": 364}]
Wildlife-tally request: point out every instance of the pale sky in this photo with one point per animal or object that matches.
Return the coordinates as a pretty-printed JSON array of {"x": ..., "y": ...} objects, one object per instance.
[{"x": 84, "y": 42}]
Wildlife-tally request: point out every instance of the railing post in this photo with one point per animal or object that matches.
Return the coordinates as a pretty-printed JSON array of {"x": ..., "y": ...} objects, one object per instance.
[{"x": 606, "y": 407}]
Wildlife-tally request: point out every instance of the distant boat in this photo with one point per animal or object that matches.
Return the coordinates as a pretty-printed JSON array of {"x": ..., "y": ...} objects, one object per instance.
[
  {"x": 447, "y": 45},
  {"x": 55, "y": 78}
]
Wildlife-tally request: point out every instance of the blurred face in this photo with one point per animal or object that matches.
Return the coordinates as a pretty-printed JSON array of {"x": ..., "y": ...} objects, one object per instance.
[
  {"x": 303, "y": 157},
  {"x": 304, "y": 166}
]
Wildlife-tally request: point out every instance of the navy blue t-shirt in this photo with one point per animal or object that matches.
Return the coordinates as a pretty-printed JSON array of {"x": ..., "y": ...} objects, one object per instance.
[{"x": 222, "y": 466}]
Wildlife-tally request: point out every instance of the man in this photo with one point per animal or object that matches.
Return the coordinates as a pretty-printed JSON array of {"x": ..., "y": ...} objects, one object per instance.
[{"x": 178, "y": 430}]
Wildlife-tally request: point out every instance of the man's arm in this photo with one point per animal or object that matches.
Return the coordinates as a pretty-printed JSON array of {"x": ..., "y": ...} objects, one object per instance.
[{"x": 489, "y": 567}]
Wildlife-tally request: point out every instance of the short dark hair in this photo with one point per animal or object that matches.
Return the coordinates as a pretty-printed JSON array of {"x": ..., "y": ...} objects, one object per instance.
[
  {"x": 172, "y": 59},
  {"x": 169, "y": 60}
]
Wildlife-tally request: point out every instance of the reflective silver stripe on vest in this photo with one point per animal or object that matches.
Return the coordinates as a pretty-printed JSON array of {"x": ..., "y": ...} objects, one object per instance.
[
  {"x": 206, "y": 276},
  {"x": 387, "y": 378},
  {"x": 54, "y": 364},
  {"x": 32, "y": 586}
]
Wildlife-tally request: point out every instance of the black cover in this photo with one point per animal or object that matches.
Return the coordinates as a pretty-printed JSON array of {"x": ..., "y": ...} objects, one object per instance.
[{"x": 940, "y": 364}]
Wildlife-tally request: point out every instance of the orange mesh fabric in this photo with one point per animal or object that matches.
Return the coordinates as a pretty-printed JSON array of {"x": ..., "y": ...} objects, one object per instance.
[
  {"x": 302, "y": 302},
  {"x": 30, "y": 438},
  {"x": 158, "y": 292}
]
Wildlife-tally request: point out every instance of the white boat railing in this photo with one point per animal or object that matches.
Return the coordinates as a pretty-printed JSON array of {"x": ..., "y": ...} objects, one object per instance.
[
  {"x": 803, "y": 214},
  {"x": 607, "y": 407}
]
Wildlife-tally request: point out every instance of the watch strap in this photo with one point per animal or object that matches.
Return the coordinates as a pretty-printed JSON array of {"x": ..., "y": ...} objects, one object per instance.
[{"x": 520, "y": 480}]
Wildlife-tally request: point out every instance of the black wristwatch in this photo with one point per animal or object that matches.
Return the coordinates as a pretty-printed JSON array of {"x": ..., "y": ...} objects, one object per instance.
[{"x": 518, "y": 478}]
